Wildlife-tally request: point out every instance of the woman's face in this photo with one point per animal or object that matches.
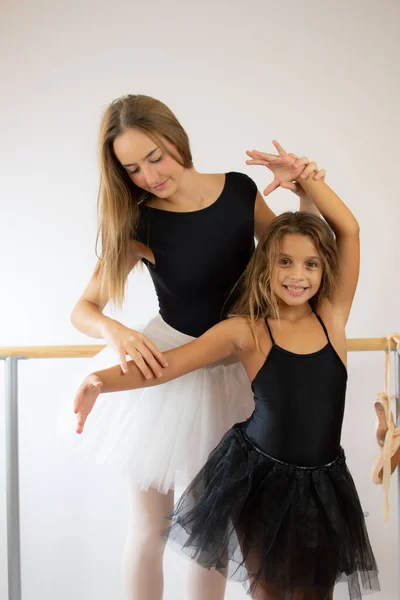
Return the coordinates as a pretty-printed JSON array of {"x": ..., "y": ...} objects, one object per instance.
[
  {"x": 297, "y": 273},
  {"x": 149, "y": 167}
]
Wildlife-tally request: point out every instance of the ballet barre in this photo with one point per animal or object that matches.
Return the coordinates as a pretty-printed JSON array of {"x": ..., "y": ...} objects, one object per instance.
[{"x": 11, "y": 355}]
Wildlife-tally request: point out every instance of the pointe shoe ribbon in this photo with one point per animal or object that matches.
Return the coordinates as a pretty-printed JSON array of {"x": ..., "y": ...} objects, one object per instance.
[{"x": 387, "y": 434}]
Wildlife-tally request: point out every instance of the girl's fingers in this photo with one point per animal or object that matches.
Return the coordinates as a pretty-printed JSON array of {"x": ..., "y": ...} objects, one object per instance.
[
  {"x": 80, "y": 423},
  {"x": 310, "y": 168},
  {"x": 320, "y": 175},
  {"x": 84, "y": 402},
  {"x": 300, "y": 162}
]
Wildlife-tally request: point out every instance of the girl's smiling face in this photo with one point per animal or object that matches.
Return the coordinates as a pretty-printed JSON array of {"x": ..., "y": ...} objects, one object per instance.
[{"x": 297, "y": 270}]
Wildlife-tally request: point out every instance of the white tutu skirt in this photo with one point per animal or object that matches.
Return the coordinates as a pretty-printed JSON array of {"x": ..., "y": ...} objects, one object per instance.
[{"x": 158, "y": 434}]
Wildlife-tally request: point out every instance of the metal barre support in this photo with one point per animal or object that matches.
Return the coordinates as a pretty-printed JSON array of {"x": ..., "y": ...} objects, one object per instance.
[{"x": 12, "y": 475}]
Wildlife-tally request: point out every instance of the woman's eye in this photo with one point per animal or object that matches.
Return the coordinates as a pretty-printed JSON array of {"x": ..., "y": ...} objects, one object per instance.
[
  {"x": 135, "y": 171},
  {"x": 312, "y": 265}
]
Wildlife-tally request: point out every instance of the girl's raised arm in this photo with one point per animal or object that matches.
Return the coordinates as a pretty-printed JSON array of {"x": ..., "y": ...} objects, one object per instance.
[
  {"x": 347, "y": 232},
  {"x": 288, "y": 169}
]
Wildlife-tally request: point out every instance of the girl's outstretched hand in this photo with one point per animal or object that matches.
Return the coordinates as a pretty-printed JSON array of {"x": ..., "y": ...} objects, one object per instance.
[
  {"x": 287, "y": 168},
  {"x": 85, "y": 399}
]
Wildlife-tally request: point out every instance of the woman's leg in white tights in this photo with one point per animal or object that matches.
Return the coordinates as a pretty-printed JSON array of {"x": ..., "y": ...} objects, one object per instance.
[
  {"x": 202, "y": 583},
  {"x": 142, "y": 567}
]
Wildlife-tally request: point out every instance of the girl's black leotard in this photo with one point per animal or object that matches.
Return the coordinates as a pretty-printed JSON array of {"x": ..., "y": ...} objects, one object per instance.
[
  {"x": 299, "y": 405},
  {"x": 200, "y": 255},
  {"x": 275, "y": 506}
]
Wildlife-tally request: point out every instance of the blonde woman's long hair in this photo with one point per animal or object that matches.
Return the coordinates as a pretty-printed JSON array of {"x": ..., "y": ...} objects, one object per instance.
[
  {"x": 256, "y": 297},
  {"x": 118, "y": 198}
]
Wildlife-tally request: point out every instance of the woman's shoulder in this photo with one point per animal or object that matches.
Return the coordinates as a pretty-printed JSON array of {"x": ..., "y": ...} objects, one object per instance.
[
  {"x": 241, "y": 187},
  {"x": 231, "y": 177},
  {"x": 241, "y": 178}
]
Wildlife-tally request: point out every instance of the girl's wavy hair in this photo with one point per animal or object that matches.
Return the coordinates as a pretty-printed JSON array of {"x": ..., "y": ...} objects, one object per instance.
[
  {"x": 118, "y": 198},
  {"x": 256, "y": 297}
]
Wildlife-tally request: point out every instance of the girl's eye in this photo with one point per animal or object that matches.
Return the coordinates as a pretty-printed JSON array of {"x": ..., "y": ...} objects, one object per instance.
[
  {"x": 134, "y": 172},
  {"x": 284, "y": 261},
  {"x": 157, "y": 159},
  {"x": 312, "y": 265}
]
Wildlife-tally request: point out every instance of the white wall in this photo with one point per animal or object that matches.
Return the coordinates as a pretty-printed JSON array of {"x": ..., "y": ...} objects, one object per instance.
[{"x": 320, "y": 77}]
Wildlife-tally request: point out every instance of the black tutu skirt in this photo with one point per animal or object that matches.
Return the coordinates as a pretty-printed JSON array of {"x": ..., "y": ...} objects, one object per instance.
[{"x": 285, "y": 532}]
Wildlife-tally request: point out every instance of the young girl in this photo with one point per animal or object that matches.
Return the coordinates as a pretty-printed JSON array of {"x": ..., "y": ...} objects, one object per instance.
[
  {"x": 275, "y": 506},
  {"x": 195, "y": 234}
]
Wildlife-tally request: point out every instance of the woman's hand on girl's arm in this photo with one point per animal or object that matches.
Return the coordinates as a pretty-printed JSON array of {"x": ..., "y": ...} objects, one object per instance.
[
  {"x": 128, "y": 342},
  {"x": 88, "y": 317},
  {"x": 218, "y": 343}
]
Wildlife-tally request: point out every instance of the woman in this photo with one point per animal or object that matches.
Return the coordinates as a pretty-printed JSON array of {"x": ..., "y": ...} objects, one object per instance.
[{"x": 195, "y": 233}]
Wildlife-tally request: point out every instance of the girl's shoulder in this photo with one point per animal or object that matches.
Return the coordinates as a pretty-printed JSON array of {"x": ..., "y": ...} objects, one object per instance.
[
  {"x": 243, "y": 334},
  {"x": 331, "y": 316},
  {"x": 335, "y": 324}
]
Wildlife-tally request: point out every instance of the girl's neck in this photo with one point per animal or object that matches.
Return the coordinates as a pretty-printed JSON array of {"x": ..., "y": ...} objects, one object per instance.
[{"x": 294, "y": 313}]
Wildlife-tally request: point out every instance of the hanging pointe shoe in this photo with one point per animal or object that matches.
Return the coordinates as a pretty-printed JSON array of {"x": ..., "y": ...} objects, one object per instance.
[
  {"x": 387, "y": 434},
  {"x": 382, "y": 426},
  {"x": 377, "y": 467}
]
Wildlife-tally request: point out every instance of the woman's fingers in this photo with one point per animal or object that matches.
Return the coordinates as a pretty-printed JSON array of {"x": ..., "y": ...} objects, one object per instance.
[
  {"x": 123, "y": 361},
  {"x": 150, "y": 360},
  {"x": 256, "y": 154},
  {"x": 288, "y": 185},
  {"x": 144, "y": 354},
  {"x": 271, "y": 187},
  {"x": 261, "y": 162},
  {"x": 155, "y": 351},
  {"x": 137, "y": 358},
  {"x": 281, "y": 151}
]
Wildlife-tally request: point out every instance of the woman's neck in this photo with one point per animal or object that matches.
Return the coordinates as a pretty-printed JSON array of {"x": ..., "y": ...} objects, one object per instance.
[{"x": 194, "y": 192}]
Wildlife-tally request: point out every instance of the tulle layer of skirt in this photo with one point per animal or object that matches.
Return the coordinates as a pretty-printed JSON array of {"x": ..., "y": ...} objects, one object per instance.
[
  {"x": 285, "y": 532},
  {"x": 157, "y": 434}
]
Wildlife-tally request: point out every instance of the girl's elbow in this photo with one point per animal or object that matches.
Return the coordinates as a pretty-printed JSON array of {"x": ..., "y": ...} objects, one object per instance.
[{"x": 353, "y": 229}]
